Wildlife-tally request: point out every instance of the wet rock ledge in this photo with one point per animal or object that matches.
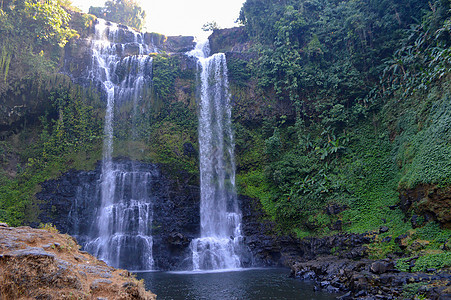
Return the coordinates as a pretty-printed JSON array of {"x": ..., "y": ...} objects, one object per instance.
[{"x": 43, "y": 264}]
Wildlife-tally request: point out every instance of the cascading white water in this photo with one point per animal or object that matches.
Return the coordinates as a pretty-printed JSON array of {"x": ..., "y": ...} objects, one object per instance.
[
  {"x": 125, "y": 237},
  {"x": 220, "y": 244},
  {"x": 124, "y": 218}
]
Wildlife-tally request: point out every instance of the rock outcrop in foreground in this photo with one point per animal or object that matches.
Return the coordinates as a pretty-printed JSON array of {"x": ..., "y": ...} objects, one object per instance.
[{"x": 43, "y": 264}]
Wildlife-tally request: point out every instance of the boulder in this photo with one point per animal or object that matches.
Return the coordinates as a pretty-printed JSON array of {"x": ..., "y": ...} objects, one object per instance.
[{"x": 381, "y": 266}]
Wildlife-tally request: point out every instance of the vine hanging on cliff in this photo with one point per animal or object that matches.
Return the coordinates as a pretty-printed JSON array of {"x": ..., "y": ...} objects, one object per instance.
[{"x": 5, "y": 61}]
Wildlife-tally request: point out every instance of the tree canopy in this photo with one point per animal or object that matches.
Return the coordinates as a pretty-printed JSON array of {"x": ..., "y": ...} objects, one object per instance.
[
  {"x": 126, "y": 12},
  {"x": 32, "y": 36}
]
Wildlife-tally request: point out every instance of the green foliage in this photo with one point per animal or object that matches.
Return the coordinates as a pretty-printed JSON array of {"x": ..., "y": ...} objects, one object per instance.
[
  {"x": 327, "y": 58},
  {"x": 254, "y": 185},
  {"x": 159, "y": 130},
  {"x": 49, "y": 227},
  {"x": 48, "y": 22},
  {"x": 371, "y": 179},
  {"x": 303, "y": 174},
  {"x": 424, "y": 151},
  {"x": 403, "y": 264},
  {"x": 384, "y": 245},
  {"x": 15, "y": 201},
  {"x": 238, "y": 71},
  {"x": 432, "y": 232},
  {"x": 425, "y": 55},
  {"x": 304, "y": 168},
  {"x": 425, "y": 262},
  {"x": 70, "y": 135},
  {"x": 165, "y": 70},
  {"x": 127, "y": 12},
  {"x": 412, "y": 291},
  {"x": 33, "y": 34},
  {"x": 432, "y": 261},
  {"x": 73, "y": 130},
  {"x": 248, "y": 145},
  {"x": 82, "y": 23},
  {"x": 175, "y": 126},
  {"x": 5, "y": 62},
  {"x": 43, "y": 22}
]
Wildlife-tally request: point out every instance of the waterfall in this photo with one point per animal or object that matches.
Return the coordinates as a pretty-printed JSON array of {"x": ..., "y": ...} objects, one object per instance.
[
  {"x": 220, "y": 244},
  {"x": 122, "y": 233}
]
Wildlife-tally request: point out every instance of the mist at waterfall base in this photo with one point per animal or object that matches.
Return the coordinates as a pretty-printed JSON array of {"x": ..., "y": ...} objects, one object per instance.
[{"x": 249, "y": 284}]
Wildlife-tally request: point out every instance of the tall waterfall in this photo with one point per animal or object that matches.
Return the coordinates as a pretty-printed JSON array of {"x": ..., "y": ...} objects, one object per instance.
[
  {"x": 122, "y": 236},
  {"x": 220, "y": 243}
]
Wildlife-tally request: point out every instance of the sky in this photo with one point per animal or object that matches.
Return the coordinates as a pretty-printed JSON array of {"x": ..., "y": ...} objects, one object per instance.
[{"x": 181, "y": 17}]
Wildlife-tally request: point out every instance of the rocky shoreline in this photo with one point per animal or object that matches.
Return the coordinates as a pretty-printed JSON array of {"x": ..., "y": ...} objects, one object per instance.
[
  {"x": 43, "y": 264},
  {"x": 363, "y": 278},
  {"x": 340, "y": 263},
  {"x": 372, "y": 279}
]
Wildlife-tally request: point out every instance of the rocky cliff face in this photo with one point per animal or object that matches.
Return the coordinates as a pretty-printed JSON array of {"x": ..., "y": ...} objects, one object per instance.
[
  {"x": 43, "y": 264},
  {"x": 229, "y": 40},
  {"x": 71, "y": 202},
  {"x": 267, "y": 246},
  {"x": 251, "y": 104},
  {"x": 78, "y": 53}
]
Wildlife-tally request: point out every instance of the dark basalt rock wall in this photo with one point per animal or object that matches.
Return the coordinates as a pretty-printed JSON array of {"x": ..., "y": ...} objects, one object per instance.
[
  {"x": 267, "y": 247},
  {"x": 272, "y": 249},
  {"x": 176, "y": 222},
  {"x": 71, "y": 202},
  {"x": 229, "y": 40}
]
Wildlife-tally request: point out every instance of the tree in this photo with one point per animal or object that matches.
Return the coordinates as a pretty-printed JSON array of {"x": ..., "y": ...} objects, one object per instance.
[
  {"x": 127, "y": 12},
  {"x": 210, "y": 26}
]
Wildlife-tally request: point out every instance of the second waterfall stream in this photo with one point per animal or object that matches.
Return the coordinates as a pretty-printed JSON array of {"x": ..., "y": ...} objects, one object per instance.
[{"x": 221, "y": 242}]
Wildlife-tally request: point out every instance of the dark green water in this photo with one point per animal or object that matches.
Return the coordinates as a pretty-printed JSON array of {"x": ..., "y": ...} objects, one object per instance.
[{"x": 247, "y": 284}]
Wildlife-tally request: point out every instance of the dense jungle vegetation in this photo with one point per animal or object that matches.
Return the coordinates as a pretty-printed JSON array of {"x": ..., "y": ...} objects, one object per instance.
[
  {"x": 364, "y": 87},
  {"x": 368, "y": 86}
]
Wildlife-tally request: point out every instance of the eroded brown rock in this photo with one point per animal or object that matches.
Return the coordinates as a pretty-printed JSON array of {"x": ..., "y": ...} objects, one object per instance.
[
  {"x": 429, "y": 201},
  {"x": 40, "y": 264}
]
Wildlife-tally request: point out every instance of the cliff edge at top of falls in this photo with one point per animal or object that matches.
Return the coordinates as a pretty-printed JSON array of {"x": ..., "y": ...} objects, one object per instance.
[{"x": 43, "y": 264}]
